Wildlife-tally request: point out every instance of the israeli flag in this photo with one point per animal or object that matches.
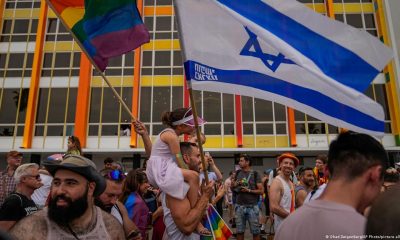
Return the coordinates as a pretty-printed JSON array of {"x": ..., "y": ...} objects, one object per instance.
[{"x": 281, "y": 51}]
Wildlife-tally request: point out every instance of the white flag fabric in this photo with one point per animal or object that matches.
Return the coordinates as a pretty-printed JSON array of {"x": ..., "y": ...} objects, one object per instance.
[{"x": 260, "y": 49}]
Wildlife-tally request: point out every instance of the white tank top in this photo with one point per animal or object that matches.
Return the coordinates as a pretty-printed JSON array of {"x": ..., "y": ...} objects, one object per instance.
[
  {"x": 171, "y": 230},
  {"x": 286, "y": 201},
  {"x": 99, "y": 232}
]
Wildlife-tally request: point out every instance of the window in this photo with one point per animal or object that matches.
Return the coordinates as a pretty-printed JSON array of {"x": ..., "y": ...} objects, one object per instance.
[
  {"x": 161, "y": 102},
  {"x": 263, "y": 110},
  {"x": 145, "y": 104},
  {"x": 162, "y": 58},
  {"x": 110, "y": 106},
  {"x": 355, "y": 20},
  {"x": 106, "y": 114},
  {"x": 228, "y": 107},
  {"x": 13, "y": 101},
  {"x": 247, "y": 109},
  {"x": 16, "y": 60},
  {"x": 212, "y": 129},
  {"x": 163, "y": 23},
  {"x": 56, "y": 31},
  {"x": 212, "y": 107},
  {"x": 56, "y": 111},
  {"x": 61, "y": 64},
  {"x": 19, "y": 30}
]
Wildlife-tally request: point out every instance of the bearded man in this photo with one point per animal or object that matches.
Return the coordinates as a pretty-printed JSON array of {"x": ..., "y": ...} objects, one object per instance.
[{"x": 71, "y": 213}]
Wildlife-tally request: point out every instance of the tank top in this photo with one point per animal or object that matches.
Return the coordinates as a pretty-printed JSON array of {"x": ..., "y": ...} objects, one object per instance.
[
  {"x": 170, "y": 227},
  {"x": 160, "y": 148},
  {"x": 286, "y": 201},
  {"x": 99, "y": 232}
]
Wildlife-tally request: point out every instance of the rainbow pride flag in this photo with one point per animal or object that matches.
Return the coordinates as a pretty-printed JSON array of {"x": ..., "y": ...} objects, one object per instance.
[
  {"x": 102, "y": 28},
  {"x": 216, "y": 225}
]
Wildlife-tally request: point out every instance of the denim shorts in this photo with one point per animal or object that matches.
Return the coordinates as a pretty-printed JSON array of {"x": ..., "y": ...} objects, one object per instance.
[{"x": 250, "y": 214}]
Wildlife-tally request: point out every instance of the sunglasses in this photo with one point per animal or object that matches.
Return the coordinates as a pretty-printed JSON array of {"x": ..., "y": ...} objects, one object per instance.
[
  {"x": 37, "y": 177},
  {"x": 116, "y": 175}
]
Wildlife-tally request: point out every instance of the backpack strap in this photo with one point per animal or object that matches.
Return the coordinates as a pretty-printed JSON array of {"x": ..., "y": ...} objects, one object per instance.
[
  {"x": 274, "y": 173},
  {"x": 255, "y": 176},
  {"x": 237, "y": 173},
  {"x": 119, "y": 210}
]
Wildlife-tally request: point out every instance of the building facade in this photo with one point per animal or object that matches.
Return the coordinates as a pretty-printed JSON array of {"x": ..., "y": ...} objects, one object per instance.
[{"x": 49, "y": 90}]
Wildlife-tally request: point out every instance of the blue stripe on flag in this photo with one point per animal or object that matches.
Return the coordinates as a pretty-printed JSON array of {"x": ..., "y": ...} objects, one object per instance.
[
  {"x": 117, "y": 20},
  {"x": 334, "y": 60},
  {"x": 306, "y": 96}
]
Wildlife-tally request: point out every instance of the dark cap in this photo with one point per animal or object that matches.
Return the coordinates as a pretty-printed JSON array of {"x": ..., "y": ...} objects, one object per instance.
[
  {"x": 82, "y": 166},
  {"x": 14, "y": 154}
]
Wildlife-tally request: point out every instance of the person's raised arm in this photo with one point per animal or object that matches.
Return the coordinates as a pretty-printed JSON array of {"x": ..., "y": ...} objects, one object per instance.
[
  {"x": 275, "y": 198},
  {"x": 214, "y": 167},
  {"x": 220, "y": 194},
  {"x": 141, "y": 129},
  {"x": 185, "y": 218}
]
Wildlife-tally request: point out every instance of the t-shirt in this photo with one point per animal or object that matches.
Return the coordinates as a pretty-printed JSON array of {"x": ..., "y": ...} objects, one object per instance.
[
  {"x": 315, "y": 194},
  {"x": 41, "y": 194},
  {"x": 17, "y": 206},
  {"x": 138, "y": 211},
  {"x": 228, "y": 195},
  {"x": 7, "y": 185},
  {"x": 252, "y": 178},
  {"x": 211, "y": 176},
  {"x": 318, "y": 219}
]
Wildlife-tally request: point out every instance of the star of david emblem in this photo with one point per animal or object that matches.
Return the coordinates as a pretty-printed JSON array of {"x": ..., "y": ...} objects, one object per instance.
[{"x": 271, "y": 61}]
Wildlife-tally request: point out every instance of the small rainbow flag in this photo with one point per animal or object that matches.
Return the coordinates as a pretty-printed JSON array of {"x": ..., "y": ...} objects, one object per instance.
[
  {"x": 102, "y": 28},
  {"x": 216, "y": 225}
]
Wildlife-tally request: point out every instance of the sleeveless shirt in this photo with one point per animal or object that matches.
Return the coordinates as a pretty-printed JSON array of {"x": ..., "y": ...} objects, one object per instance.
[
  {"x": 99, "y": 232},
  {"x": 285, "y": 203},
  {"x": 170, "y": 227}
]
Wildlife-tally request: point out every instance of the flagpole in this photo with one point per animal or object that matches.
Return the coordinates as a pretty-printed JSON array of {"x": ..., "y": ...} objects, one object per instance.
[
  {"x": 193, "y": 104},
  {"x": 93, "y": 63},
  {"x": 117, "y": 95},
  {"x": 196, "y": 125}
]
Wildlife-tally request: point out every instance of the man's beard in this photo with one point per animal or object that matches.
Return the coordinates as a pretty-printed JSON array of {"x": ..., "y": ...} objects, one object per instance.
[
  {"x": 64, "y": 215},
  {"x": 101, "y": 205},
  {"x": 193, "y": 166},
  {"x": 309, "y": 183}
]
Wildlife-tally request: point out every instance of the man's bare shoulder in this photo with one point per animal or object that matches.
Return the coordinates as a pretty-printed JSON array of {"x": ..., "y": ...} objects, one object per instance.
[
  {"x": 276, "y": 183},
  {"x": 114, "y": 228},
  {"x": 31, "y": 227}
]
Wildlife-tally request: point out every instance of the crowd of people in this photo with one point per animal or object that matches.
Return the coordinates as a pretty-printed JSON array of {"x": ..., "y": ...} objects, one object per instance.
[{"x": 67, "y": 197}]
